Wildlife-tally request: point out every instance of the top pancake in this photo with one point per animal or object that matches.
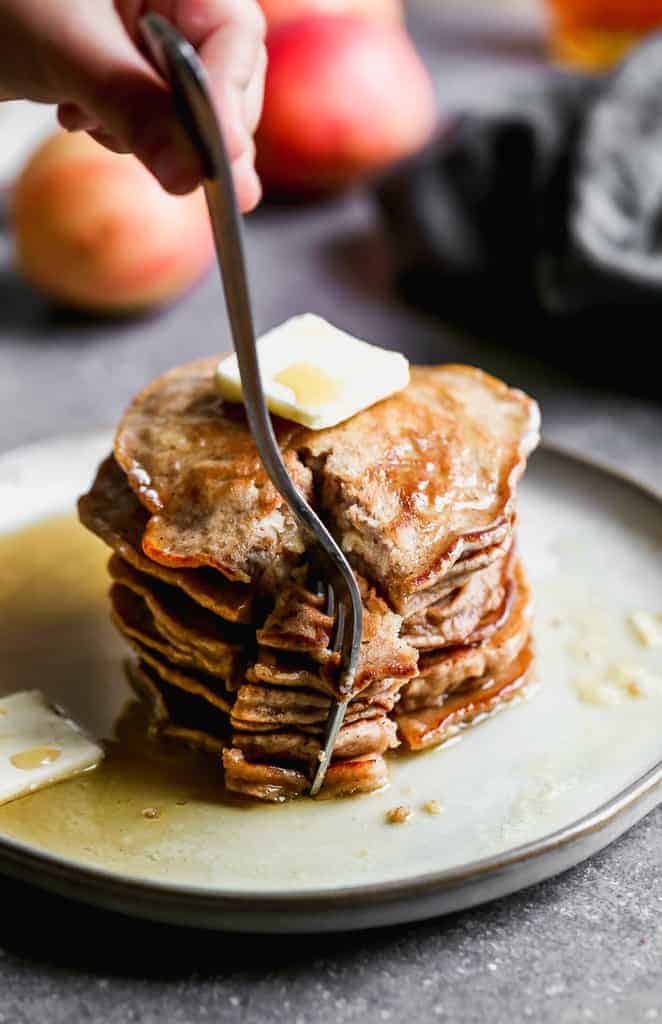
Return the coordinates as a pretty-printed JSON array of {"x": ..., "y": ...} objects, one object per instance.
[
  {"x": 190, "y": 458},
  {"x": 409, "y": 486}
]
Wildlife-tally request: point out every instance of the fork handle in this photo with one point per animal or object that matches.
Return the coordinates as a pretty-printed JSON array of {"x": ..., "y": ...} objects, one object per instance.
[{"x": 178, "y": 62}]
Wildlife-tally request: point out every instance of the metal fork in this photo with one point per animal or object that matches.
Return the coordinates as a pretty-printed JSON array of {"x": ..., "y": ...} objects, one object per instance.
[{"x": 179, "y": 64}]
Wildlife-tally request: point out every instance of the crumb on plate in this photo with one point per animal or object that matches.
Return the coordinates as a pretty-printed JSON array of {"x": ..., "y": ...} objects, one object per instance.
[
  {"x": 647, "y": 628},
  {"x": 398, "y": 815}
]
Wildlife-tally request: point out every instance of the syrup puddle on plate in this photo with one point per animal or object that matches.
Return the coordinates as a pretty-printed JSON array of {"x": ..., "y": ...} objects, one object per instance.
[
  {"x": 56, "y": 636},
  {"x": 159, "y": 811}
]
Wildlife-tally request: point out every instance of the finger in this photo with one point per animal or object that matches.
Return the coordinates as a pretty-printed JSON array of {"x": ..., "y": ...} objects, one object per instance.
[
  {"x": 197, "y": 20},
  {"x": 254, "y": 95},
  {"x": 232, "y": 56},
  {"x": 246, "y": 182},
  {"x": 116, "y": 86},
  {"x": 229, "y": 35},
  {"x": 108, "y": 140},
  {"x": 75, "y": 119}
]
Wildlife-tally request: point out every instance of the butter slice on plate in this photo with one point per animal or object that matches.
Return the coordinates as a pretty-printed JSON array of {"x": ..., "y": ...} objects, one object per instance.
[
  {"x": 317, "y": 375},
  {"x": 38, "y": 746}
]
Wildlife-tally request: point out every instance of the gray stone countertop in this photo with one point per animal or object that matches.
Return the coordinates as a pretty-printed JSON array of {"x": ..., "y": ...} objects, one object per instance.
[{"x": 584, "y": 946}]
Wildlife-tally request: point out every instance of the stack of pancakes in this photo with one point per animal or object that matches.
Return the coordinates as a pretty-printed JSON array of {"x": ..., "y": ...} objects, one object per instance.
[{"x": 213, "y": 588}]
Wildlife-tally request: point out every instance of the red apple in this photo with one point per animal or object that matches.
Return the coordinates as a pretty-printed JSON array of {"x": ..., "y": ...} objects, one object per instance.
[
  {"x": 95, "y": 230},
  {"x": 278, "y": 11},
  {"x": 344, "y": 97}
]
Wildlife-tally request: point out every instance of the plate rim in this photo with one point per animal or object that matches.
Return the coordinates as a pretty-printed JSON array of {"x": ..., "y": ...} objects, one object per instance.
[{"x": 16, "y": 854}]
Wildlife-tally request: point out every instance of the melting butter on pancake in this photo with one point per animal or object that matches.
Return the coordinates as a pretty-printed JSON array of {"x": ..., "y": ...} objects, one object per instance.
[{"x": 315, "y": 374}]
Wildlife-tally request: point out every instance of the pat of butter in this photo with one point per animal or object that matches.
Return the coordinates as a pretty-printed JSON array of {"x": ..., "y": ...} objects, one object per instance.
[
  {"x": 621, "y": 680},
  {"x": 317, "y": 375},
  {"x": 38, "y": 746}
]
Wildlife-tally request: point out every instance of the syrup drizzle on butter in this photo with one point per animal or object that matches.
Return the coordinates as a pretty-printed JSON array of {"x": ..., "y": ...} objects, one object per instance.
[{"x": 311, "y": 385}]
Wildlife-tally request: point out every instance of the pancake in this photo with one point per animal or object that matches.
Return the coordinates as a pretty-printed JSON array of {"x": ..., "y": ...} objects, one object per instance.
[
  {"x": 258, "y": 708},
  {"x": 191, "y": 460},
  {"x": 176, "y": 714},
  {"x": 468, "y": 614},
  {"x": 430, "y": 726},
  {"x": 426, "y": 477},
  {"x": 182, "y": 717},
  {"x": 357, "y": 739},
  {"x": 289, "y": 670},
  {"x": 443, "y": 671},
  {"x": 172, "y": 706},
  {"x": 461, "y": 573},
  {"x": 212, "y": 581},
  {"x": 292, "y": 671},
  {"x": 298, "y": 625},
  {"x": 184, "y": 624},
  {"x": 273, "y": 783},
  {"x": 111, "y": 510},
  {"x": 188, "y": 680},
  {"x": 410, "y": 486},
  {"x": 133, "y": 619}
]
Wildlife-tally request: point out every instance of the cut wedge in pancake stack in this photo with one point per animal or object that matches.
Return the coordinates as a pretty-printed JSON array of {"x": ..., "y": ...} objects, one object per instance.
[{"x": 211, "y": 583}]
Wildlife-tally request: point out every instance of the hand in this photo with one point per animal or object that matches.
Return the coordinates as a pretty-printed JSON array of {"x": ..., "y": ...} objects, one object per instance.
[{"x": 86, "y": 56}]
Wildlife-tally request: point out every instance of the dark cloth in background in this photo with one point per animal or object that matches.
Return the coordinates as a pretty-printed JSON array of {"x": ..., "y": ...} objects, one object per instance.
[{"x": 541, "y": 224}]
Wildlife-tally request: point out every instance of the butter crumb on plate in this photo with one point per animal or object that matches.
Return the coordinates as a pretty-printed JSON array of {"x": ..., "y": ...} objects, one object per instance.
[
  {"x": 621, "y": 681},
  {"x": 432, "y": 807},
  {"x": 647, "y": 628}
]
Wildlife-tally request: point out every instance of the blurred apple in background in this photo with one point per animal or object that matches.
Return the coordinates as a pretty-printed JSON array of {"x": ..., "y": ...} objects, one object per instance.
[
  {"x": 96, "y": 231},
  {"x": 278, "y": 11},
  {"x": 345, "y": 96}
]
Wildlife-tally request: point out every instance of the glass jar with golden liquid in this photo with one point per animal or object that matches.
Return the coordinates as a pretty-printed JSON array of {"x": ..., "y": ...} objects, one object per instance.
[{"x": 594, "y": 34}]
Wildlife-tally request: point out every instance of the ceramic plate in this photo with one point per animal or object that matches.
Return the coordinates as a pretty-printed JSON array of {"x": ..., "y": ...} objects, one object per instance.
[{"x": 522, "y": 796}]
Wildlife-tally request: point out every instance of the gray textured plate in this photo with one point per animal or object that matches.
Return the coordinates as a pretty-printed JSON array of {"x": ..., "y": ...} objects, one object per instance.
[{"x": 524, "y": 796}]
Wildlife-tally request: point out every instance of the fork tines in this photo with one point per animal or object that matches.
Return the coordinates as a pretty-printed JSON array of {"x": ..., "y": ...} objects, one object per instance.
[{"x": 338, "y": 708}]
